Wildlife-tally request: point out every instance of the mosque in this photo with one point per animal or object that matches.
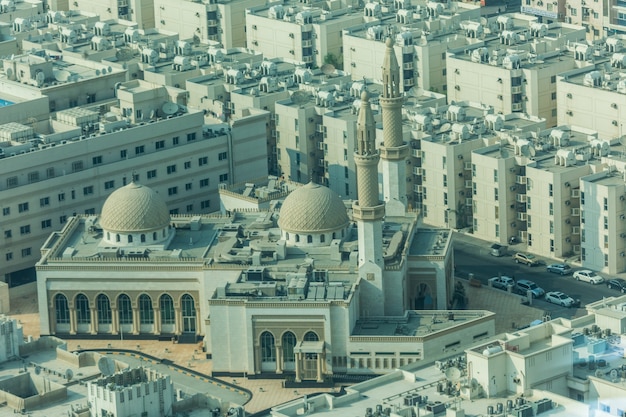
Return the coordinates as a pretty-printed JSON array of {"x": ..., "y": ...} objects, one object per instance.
[{"x": 308, "y": 287}]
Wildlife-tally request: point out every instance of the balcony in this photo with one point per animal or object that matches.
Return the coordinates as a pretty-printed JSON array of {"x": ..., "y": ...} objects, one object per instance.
[
  {"x": 407, "y": 66},
  {"x": 516, "y": 89},
  {"x": 520, "y": 179},
  {"x": 520, "y": 198},
  {"x": 409, "y": 81},
  {"x": 307, "y": 43},
  {"x": 516, "y": 106},
  {"x": 468, "y": 183},
  {"x": 416, "y": 153}
]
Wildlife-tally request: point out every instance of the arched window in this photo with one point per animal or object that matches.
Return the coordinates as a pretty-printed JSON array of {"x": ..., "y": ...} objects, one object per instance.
[
  {"x": 268, "y": 348},
  {"x": 125, "y": 309},
  {"x": 62, "y": 310},
  {"x": 297, "y": 238},
  {"x": 287, "y": 235},
  {"x": 108, "y": 235},
  {"x": 146, "y": 313},
  {"x": 130, "y": 238},
  {"x": 163, "y": 232},
  {"x": 311, "y": 337},
  {"x": 334, "y": 235},
  {"x": 143, "y": 238},
  {"x": 309, "y": 239},
  {"x": 104, "y": 309},
  {"x": 167, "y": 309},
  {"x": 289, "y": 342},
  {"x": 83, "y": 315},
  {"x": 189, "y": 313},
  {"x": 117, "y": 238},
  {"x": 322, "y": 238},
  {"x": 154, "y": 236}
]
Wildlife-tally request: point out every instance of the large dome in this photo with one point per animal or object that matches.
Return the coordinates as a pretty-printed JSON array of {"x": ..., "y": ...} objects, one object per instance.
[
  {"x": 134, "y": 208},
  {"x": 313, "y": 208}
]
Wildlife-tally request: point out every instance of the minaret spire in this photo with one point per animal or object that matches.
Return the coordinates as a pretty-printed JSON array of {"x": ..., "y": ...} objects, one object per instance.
[
  {"x": 368, "y": 211},
  {"x": 394, "y": 151}
]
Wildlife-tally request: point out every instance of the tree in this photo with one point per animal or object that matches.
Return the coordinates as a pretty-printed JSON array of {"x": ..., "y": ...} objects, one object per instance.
[{"x": 334, "y": 60}]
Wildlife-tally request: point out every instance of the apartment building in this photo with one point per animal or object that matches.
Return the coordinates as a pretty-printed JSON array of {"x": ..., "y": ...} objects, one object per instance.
[
  {"x": 11, "y": 10},
  {"x": 213, "y": 22},
  {"x": 308, "y": 35},
  {"x": 423, "y": 34},
  {"x": 516, "y": 69},
  {"x": 140, "y": 12},
  {"x": 446, "y": 181},
  {"x": 70, "y": 164},
  {"x": 595, "y": 97}
]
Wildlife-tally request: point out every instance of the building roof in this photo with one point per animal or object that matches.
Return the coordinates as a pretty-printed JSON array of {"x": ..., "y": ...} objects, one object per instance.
[
  {"x": 134, "y": 208},
  {"x": 313, "y": 208}
]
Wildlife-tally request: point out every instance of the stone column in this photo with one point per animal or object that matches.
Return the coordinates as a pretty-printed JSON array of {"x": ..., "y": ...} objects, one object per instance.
[
  {"x": 178, "y": 319},
  {"x": 319, "y": 368},
  {"x": 115, "y": 321},
  {"x": 257, "y": 359},
  {"x": 298, "y": 372},
  {"x": 279, "y": 359},
  {"x": 135, "y": 320},
  {"x": 157, "y": 320},
  {"x": 52, "y": 317},
  {"x": 93, "y": 322},
  {"x": 73, "y": 325}
]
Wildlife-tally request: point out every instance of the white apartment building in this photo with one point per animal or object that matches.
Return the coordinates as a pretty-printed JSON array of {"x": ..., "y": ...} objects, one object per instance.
[
  {"x": 516, "y": 69},
  {"x": 423, "y": 34},
  {"x": 69, "y": 165},
  {"x": 213, "y": 22},
  {"x": 594, "y": 97},
  {"x": 140, "y": 12},
  {"x": 603, "y": 228},
  {"x": 533, "y": 178},
  {"x": 11, "y": 338},
  {"x": 442, "y": 141},
  {"x": 308, "y": 35}
]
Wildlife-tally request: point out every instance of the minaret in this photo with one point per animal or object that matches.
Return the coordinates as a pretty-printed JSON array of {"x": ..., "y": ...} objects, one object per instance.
[
  {"x": 394, "y": 151},
  {"x": 368, "y": 211}
]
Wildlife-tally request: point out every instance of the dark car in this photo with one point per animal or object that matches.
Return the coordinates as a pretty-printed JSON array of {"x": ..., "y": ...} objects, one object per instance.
[
  {"x": 618, "y": 284},
  {"x": 523, "y": 286},
  {"x": 562, "y": 269}
]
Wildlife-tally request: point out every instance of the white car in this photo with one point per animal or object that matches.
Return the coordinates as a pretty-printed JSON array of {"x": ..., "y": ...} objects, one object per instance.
[
  {"x": 588, "y": 276},
  {"x": 557, "y": 297}
]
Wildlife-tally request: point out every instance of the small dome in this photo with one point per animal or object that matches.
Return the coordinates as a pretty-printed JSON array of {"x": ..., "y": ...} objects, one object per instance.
[
  {"x": 134, "y": 208},
  {"x": 313, "y": 208}
]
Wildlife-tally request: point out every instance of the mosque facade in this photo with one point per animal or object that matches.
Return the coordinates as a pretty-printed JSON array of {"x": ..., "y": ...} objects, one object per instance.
[{"x": 309, "y": 287}]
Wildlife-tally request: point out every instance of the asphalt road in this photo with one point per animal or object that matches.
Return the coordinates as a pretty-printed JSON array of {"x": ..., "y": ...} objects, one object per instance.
[{"x": 472, "y": 256}]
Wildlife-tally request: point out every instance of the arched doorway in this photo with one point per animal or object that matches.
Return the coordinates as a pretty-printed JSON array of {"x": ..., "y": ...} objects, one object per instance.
[
  {"x": 104, "y": 313},
  {"x": 289, "y": 357},
  {"x": 189, "y": 314},
  {"x": 268, "y": 352},
  {"x": 62, "y": 313}
]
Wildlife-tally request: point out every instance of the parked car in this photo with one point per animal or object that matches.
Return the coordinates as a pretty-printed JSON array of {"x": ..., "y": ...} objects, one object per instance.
[
  {"x": 617, "y": 283},
  {"x": 523, "y": 286},
  {"x": 588, "y": 275},
  {"x": 502, "y": 282},
  {"x": 562, "y": 269},
  {"x": 525, "y": 258},
  {"x": 562, "y": 299},
  {"x": 497, "y": 250}
]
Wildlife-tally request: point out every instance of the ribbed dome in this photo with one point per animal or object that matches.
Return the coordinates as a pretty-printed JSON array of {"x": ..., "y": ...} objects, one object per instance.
[
  {"x": 134, "y": 208},
  {"x": 312, "y": 208}
]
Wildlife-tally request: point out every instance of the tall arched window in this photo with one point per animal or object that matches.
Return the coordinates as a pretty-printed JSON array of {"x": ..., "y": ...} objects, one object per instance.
[
  {"x": 142, "y": 238},
  {"x": 154, "y": 236},
  {"x": 117, "y": 238},
  {"x": 322, "y": 238},
  {"x": 189, "y": 313},
  {"x": 130, "y": 238},
  {"x": 289, "y": 342},
  {"x": 167, "y": 309},
  {"x": 104, "y": 309},
  {"x": 268, "y": 348},
  {"x": 83, "y": 315},
  {"x": 146, "y": 312},
  {"x": 309, "y": 239},
  {"x": 311, "y": 337},
  {"x": 62, "y": 310},
  {"x": 125, "y": 309}
]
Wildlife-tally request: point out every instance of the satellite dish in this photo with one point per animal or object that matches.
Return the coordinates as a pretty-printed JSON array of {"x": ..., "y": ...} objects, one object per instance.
[
  {"x": 106, "y": 366},
  {"x": 504, "y": 153},
  {"x": 613, "y": 374},
  {"x": 299, "y": 97},
  {"x": 444, "y": 128},
  {"x": 69, "y": 374},
  {"x": 9, "y": 73},
  {"x": 97, "y": 72},
  {"x": 453, "y": 374},
  {"x": 62, "y": 75},
  {"x": 38, "y": 370},
  {"x": 328, "y": 69},
  {"x": 169, "y": 108},
  {"x": 599, "y": 373},
  {"x": 109, "y": 69},
  {"x": 40, "y": 77}
]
